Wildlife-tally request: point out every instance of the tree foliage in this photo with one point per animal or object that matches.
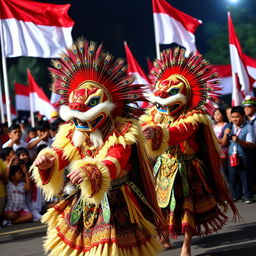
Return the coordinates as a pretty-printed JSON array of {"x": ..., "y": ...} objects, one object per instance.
[
  {"x": 218, "y": 44},
  {"x": 17, "y": 72}
]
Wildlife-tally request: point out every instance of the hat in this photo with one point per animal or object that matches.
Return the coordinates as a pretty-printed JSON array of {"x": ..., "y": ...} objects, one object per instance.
[
  {"x": 249, "y": 101},
  {"x": 54, "y": 114}
]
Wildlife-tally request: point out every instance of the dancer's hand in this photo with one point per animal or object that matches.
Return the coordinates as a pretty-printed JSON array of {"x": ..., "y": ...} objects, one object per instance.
[
  {"x": 75, "y": 177},
  {"x": 148, "y": 132},
  {"x": 44, "y": 162}
]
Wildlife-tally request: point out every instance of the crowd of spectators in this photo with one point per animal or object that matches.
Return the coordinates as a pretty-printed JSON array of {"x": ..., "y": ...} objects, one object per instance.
[
  {"x": 20, "y": 199},
  {"x": 235, "y": 129}
]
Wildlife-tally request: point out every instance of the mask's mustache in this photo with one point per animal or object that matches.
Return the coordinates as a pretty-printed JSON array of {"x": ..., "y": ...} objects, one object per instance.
[{"x": 67, "y": 114}]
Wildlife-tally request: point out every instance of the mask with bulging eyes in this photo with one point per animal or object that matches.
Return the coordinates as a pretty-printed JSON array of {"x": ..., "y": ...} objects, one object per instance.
[
  {"x": 89, "y": 106},
  {"x": 171, "y": 94}
]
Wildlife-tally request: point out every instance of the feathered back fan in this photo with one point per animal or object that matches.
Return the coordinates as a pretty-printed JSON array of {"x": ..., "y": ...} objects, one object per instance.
[
  {"x": 199, "y": 74},
  {"x": 85, "y": 61}
]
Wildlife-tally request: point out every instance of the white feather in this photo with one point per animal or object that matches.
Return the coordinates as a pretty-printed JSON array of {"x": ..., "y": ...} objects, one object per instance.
[
  {"x": 167, "y": 101},
  {"x": 69, "y": 188},
  {"x": 67, "y": 114},
  {"x": 96, "y": 138},
  {"x": 78, "y": 138}
]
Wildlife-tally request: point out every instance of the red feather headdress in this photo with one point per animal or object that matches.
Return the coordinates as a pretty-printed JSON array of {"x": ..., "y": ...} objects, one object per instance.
[
  {"x": 198, "y": 73},
  {"x": 85, "y": 61}
]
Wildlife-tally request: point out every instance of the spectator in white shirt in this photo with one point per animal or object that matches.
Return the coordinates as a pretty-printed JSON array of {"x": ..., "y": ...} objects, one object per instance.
[{"x": 14, "y": 133}]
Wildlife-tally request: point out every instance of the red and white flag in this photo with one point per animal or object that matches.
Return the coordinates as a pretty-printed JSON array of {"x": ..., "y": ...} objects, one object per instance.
[
  {"x": 13, "y": 110},
  {"x": 174, "y": 26},
  {"x": 35, "y": 29},
  {"x": 134, "y": 67},
  {"x": 251, "y": 67},
  {"x": 135, "y": 70},
  {"x": 38, "y": 100},
  {"x": 225, "y": 74},
  {"x": 242, "y": 84},
  {"x": 21, "y": 97}
]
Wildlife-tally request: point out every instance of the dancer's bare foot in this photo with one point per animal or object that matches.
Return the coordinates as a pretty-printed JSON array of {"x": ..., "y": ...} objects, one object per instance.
[
  {"x": 185, "y": 251},
  {"x": 166, "y": 244},
  {"x": 186, "y": 248}
]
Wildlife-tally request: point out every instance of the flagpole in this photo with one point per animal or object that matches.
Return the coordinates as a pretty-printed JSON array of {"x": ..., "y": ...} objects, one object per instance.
[
  {"x": 1, "y": 104},
  {"x": 32, "y": 117},
  {"x": 156, "y": 43},
  {"x": 157, "y": 51},
  {"x": 31, "y": 102},
  {"x": 6, "y": 87}
]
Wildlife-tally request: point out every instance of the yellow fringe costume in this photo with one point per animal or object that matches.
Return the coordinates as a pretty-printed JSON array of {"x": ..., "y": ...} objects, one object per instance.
[
  {"x": 189, "y": 185},
  {"x": 115, "y": 219}
]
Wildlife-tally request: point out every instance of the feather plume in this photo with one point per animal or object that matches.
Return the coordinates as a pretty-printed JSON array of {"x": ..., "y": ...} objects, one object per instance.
[{"x": 86, "y": 61}]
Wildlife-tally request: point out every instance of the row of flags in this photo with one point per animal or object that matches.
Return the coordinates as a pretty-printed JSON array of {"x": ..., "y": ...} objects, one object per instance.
[
  {"x": 32, "y": 98},
  {"x": 44, "y": 30}
]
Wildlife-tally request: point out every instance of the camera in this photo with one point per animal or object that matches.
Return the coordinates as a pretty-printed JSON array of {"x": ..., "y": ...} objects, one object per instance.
[{"x": 21, "y": 161}]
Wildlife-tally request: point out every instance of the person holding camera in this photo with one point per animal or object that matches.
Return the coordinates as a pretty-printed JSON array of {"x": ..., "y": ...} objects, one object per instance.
[{"x": 241, "y": 139}]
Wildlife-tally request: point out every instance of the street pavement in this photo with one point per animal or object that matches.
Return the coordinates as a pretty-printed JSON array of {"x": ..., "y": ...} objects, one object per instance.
[{"x": 235, "y": 239}]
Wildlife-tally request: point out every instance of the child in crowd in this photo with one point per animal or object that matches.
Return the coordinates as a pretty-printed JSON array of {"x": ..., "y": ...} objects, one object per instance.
[
  {"x": 32, "y": 133},
  {"x": 7, "y": 159},
  {"x": 14, "y": 133},
  {"x": 221, "y": 123},
  {"x": 8, "y": 156},
  {"x": 33, "y": 197},
  {"x": 43, "y": 137},
  {"x": 16, "y": 210}
]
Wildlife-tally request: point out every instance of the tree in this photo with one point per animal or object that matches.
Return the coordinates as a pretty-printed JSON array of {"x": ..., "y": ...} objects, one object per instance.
[
  {"x": 218, "y": 44},
  {"x": 17, "y": 72}
]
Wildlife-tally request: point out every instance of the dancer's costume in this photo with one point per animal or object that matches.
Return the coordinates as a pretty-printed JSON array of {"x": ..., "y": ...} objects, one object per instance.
[
  {"x": 190, "y": 188},
  {"x": 114, "y": 211}
]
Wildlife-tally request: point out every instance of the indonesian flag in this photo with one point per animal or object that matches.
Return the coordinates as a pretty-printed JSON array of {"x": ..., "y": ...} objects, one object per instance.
[
  {"x": 251, "y": 67},
  {"x": 225, "y": 74},
  {"x": 135, "y": 70},
  {"x": 38, "y": 100},
  {"x": 134, "y": 67},
  {"x": 174, "y": 26},
  {"x": 13, "y": 110},
  {"x": 242, "y": 84},
  {"x": 22, "y": 97},
  {"x": 35, "y": 29}
]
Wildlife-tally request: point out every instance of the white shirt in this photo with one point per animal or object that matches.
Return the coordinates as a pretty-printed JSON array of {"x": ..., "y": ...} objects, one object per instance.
[
  {"x": 33, "y": 151},
  {"x": 22, "y": 144}
]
